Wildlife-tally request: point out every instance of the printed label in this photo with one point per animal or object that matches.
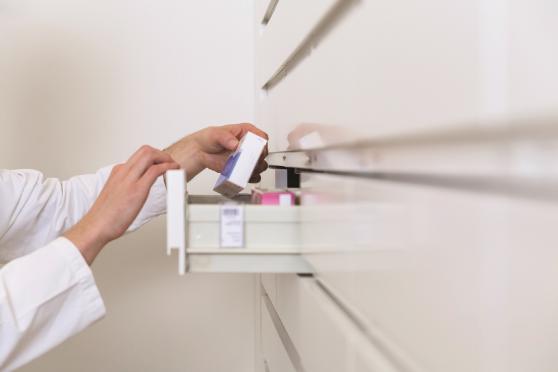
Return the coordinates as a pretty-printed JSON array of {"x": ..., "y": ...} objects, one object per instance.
[{"x": 232, "y": 226}]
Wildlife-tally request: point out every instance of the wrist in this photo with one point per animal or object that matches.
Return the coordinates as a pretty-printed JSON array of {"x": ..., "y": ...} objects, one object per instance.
[
  {"x": 189, "y": 156},
  {"x": 88, "y": 239}
]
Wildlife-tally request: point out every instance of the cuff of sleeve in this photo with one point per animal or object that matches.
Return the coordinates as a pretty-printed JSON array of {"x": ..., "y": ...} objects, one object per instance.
[
  {"x": 55, "y": 271},
  {"x": 93, "y": 306},
  {"x": 155, "y": 205}
]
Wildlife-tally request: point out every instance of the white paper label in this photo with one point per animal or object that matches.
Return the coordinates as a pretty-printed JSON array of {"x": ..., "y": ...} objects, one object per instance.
[
  {"x": 232, "y": 226},
  {"x": 285, "y": 199}
]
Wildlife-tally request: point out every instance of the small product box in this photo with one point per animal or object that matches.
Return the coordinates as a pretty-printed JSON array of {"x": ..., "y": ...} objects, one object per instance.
[
  {"x": 240, "y": 165},
  {"x": 273, "y": 197}
]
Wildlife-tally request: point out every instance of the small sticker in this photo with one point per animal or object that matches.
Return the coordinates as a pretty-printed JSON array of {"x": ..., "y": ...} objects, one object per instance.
[
  {"x": 232, "y": 226},
  {"x": 285, "y": 199}
]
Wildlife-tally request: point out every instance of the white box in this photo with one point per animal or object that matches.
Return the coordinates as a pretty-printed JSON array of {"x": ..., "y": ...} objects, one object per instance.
[{"x": 240, "y": 165}]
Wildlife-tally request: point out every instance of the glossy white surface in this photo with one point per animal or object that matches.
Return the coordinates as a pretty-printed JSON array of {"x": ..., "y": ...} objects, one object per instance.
[
  {"x": 393, "y": 67},
  {"x": 461, "y": 281},
  {"x": 291, "y": 23},
  {"x": 326, "y": 339},
  {"x": 273, "y": 351},
  {"x": 455, "y": 270}
]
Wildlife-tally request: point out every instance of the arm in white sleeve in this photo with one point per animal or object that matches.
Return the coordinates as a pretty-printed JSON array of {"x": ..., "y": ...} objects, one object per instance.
[
  {"x": 45, "y": 298},
  {"x": 47, "y": 292},
  {"x": 34, "y": 210}
]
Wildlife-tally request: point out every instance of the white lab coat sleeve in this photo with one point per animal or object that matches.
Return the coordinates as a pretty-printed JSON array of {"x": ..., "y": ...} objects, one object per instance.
[
  {"x": 45, "y": 297},
  {"x": 47, "y": 290},
  {"x": 35, "y": 210}
]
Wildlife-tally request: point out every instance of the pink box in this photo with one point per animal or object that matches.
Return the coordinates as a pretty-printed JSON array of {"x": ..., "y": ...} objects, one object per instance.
[{"x": 273, "y": 197}]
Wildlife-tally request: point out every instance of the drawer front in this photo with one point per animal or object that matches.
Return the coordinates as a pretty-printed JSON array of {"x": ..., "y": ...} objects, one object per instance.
[
  {"x": 274, "y": 354},
  {"x": 286, "y": 29},
  {"x": 325, "y": 338},
  {"x": 265, "y": 10},
  {"x": 381, "y": 68},
  {"x": 270, "y": 236},
  {"x": 265, "y": 228},
  {"x": 387, "y": 68},
  {"x": 447, "y": 275}
]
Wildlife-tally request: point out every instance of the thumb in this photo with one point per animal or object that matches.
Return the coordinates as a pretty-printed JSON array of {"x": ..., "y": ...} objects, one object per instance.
[{"x": 227, "y": 140}]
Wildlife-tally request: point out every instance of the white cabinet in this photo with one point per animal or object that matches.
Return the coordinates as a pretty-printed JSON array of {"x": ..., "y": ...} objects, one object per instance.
[
  {"x": 285, "y": 33},
  {"x": 317, "y": 335},
  {"x": 270, "y": 241},
  {"x": 426, "y": 137}
]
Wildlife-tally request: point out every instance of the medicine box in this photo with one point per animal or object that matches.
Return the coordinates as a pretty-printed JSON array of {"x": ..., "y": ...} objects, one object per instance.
[
  {"x": 273, "y": 197},
  {"x": 240, "y": 165}
]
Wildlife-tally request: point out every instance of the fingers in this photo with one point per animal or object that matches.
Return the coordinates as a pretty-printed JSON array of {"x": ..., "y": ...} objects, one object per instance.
[
  {"x": 255, "y": 179},
  {"x": 239, "y": 130},
  {"x": 247, "y": 127},
  {"x": 154, "y": 172},
  {"x": 144, "y": 158},
  {"x": 260, "y": 168},
  {"x": 225, "y": 139},
  {"x": 215, "y": 162},
  {"x": 216, "y": 139}
]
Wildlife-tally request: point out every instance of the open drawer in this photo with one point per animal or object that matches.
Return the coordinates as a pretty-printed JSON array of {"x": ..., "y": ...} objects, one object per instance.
[{"x": 269, "y": 241}]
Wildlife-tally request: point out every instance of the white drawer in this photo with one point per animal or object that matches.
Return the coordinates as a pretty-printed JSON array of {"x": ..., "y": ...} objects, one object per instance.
[
  {"x": 461, "y": 281},
  {"x": 291, "y": 23},
  {"x": 267, "y": 228},
  {"x": 270, "y": 244},
  {"x": 392, "y": 68},
  {"x": 265, "y": 10},
  {"x": 274, "y": 353},
  {"x": 326, "y": 339}
]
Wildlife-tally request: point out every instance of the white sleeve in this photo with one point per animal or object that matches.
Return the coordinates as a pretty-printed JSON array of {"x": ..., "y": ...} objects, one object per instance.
[
  {"x": 45, "y": 298},
  {"x": 34, "y": 210},
  {"x": 47, "y": 292}
]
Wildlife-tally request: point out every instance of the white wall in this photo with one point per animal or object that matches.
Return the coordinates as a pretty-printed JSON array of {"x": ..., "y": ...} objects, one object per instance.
[{"x": 83, "y": 83}]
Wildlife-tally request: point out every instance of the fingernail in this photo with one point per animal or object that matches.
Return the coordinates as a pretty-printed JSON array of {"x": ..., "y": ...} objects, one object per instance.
[{"x": 232, "y": 143}]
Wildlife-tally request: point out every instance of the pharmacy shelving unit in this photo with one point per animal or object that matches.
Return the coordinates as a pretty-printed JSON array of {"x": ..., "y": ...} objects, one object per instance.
[{"x": 423, "y": 137}]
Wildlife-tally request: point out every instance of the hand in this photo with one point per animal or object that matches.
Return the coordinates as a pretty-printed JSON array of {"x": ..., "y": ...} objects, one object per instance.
[
  {"x": 120, "y": 201},
  {"x": 211, "y": 147}
]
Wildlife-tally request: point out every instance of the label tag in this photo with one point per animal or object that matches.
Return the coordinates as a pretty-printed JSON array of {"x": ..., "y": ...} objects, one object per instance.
[{"x": 232, "y": 226}]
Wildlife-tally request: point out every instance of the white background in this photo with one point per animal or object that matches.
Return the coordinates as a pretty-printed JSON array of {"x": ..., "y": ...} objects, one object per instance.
[{"x": 83, "y": 84}]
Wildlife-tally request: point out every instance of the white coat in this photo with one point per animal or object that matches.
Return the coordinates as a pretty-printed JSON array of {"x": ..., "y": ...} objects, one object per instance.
[{"x": 47, "y": 291}]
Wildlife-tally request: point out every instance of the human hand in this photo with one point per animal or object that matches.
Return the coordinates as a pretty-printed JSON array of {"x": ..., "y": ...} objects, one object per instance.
[
  {"x": 120, "y": 201},
  {"x": 211, "y": 147}
]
